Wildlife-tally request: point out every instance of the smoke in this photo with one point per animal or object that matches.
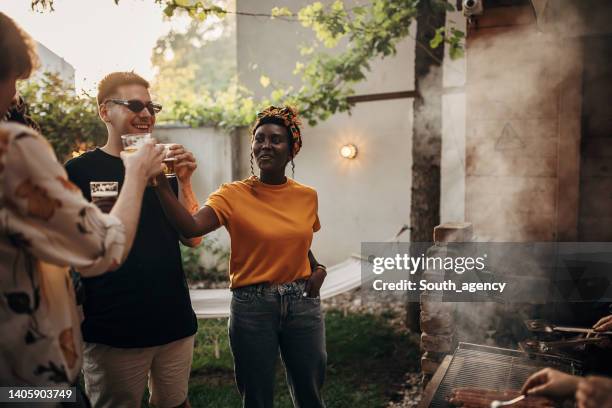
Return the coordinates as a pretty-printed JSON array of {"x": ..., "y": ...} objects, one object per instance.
[
  {"x": 520, "y": 122},
  {"x": 517, "y": 79}
]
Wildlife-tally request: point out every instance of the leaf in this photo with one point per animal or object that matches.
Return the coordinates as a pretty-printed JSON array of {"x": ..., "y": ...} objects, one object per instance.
[
  {"x": 337, "y": 5},
  {"x": 457, "y": 33},
  {"x": 169, "y": 10},
  {"x": 280, "y": 12},
  {"x": 456, "y": 52},
  {"x": 19, "y": 302},
  {"x": 276, "y": 95},
  {"x": 218, "y": 11},
  {"x": 437, "y": 39},
  {"x": 185, "y": 3},
  {"x": 306, "y": 51},
  {"x": 264, "y": 81}
]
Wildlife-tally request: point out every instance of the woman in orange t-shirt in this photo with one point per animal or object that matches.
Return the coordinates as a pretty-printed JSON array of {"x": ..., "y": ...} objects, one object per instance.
[{"x": 274, "y": 278}]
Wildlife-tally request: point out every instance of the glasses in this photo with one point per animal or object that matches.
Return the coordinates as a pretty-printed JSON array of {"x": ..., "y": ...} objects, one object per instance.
[
  {"x": 137, "y": 106},
  {"x": 168, "y": 162},
  {"x": 131, "y": 142}
]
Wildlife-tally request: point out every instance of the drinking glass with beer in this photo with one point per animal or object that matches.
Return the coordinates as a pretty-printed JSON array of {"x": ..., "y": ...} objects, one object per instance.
[
  {"x": 168, "y": 162},
  {"x": 132, "y": 141},
  {"x": 104, "y": 194}
]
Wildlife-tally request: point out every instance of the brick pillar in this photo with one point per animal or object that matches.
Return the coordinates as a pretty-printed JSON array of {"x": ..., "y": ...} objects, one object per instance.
[{"x": 438, "y": 334}]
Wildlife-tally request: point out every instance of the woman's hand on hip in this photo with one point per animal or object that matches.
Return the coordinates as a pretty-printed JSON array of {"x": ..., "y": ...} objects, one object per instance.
[{"x": 314, "y": 283}]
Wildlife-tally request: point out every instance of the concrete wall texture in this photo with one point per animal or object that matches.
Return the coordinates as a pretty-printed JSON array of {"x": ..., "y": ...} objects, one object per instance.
[
  {"x": 523, "y": 130},
  {"x": 365, "y": 199},
  {"x": 51, "y": 62},
  {"x": 212, "y": 149}
]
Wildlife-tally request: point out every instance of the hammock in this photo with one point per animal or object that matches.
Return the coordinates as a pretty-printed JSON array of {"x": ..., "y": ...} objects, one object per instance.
[{"x": 212, "y": 303}]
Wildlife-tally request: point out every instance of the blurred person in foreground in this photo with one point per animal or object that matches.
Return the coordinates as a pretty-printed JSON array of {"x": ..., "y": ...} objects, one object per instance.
[
  {"x": 139, "y": 325},
  {"x": 46, "y": 226},
  {"x": 19, "y": 112}
]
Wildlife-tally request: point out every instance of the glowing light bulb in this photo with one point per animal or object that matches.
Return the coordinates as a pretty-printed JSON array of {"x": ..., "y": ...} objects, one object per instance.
[{"x": 348, "y": 151}]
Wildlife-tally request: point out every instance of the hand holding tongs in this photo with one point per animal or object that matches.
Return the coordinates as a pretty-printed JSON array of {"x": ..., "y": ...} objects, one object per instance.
[
  {"x": 498, "y": 404},
  {"x": 545, "y": 327}
]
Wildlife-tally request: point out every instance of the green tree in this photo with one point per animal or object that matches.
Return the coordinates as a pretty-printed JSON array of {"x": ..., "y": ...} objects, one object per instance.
[
  {"x": 369, "y": 31},
  {"x": 69, "y": 121},
  {"x": 198, "y": 62}
]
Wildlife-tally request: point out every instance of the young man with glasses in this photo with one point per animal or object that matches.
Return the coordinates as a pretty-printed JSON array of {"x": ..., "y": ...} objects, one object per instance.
[{"x": 139, "y": 325}]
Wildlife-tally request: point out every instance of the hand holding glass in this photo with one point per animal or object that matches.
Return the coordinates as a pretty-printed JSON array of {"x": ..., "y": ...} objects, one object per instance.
[
  {"x": 131, "y": 142},
  {"x": 169, "y": 162}
]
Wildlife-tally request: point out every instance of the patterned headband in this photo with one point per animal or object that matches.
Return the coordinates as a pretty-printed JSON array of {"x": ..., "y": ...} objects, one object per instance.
[{"x": 290, "y": 118}]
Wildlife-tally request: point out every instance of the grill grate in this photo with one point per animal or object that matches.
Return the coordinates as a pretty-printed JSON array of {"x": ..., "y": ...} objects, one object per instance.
[{"x": 492, "y": 368}]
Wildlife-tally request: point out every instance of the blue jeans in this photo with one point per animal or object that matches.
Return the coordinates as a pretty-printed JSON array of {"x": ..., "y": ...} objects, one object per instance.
[{"x": 265, "y": 318}]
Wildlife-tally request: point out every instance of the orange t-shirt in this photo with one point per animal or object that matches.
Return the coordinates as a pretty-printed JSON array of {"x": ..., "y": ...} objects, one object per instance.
[{"x": 271, "y": 229}]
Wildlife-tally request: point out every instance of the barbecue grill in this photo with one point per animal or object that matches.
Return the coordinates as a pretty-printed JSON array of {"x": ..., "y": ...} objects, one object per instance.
[{"x": 493, "y": 368}]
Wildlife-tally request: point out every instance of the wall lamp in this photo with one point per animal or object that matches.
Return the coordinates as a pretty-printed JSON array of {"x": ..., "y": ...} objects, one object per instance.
[{"x": 348, "y": 151}]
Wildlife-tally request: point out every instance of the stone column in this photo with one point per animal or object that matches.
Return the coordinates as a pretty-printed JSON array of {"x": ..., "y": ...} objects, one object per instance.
[{"x": 438, "y": 332}]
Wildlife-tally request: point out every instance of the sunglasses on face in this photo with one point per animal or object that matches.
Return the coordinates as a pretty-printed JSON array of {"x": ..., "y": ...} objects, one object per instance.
[{"x": 137, "y": 106}]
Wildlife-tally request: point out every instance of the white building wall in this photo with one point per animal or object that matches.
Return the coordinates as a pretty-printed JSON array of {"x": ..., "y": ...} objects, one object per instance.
[
  {"x": 51, "y": 62},
  {"x": 365, "y": 199},
  {"x": 212, "y": 149},
  {"x": 452, "y": 197}
]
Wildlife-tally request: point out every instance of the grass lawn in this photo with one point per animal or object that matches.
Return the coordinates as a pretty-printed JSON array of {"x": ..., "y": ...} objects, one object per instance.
[{"x": 367, "y": 359}]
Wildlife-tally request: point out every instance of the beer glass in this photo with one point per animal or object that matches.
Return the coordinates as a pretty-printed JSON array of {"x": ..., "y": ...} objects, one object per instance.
[
  {"x": 132, "y": 141},
  {"x": 104, "y": 194},
  {"x": 168, "y": 162}
]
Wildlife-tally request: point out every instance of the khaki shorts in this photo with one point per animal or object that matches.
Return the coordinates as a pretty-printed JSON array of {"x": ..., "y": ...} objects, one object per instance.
[{"x": 116, "y": 377}]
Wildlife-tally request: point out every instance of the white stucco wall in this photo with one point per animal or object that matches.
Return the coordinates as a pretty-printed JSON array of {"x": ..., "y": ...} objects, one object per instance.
[
  {"x": 212, "y": 150},
  {"x": 51, "y": 62},
  {"x": 452, "y": 171},
  {"x": 366, "y": 199}
]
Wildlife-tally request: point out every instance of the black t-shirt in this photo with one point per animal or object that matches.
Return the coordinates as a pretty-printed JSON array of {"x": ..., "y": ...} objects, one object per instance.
[{"x": 146, "y": 301}]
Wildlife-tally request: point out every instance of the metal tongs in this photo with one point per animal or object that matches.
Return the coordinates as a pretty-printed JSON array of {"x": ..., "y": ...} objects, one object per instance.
[
  {"x": 544, "y": 327},
  {"x": 498, "y": 404},
  {"x": 548, "y": 346}
]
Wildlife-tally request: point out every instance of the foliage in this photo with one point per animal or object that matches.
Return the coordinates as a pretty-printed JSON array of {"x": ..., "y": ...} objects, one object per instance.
[
  {"x": 366, "y": 33},
  {"x": 199, "y": 61},
  {"x": 359, "y": 35},
  {"x": 69, "y": 121},
  {"x": 452, "y": 37},
  {"x": 213, "y": 271},
  {"x": 367, "y": 360}
]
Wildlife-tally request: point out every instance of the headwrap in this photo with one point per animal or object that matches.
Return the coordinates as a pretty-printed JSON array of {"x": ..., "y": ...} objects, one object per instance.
[{"x": 289, "y": 117}]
